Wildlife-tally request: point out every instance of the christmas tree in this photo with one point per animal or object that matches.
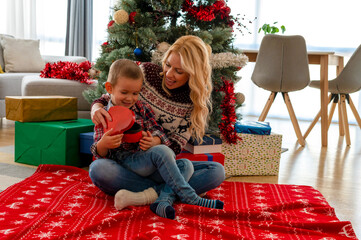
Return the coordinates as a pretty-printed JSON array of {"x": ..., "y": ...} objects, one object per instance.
[{"x": 142, "y": 30}]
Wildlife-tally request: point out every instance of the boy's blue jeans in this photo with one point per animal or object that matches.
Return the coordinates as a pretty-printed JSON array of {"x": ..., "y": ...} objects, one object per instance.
[{"x": 149, "y": 168}]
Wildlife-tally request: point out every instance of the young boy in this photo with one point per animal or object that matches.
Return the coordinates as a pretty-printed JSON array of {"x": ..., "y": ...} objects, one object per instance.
[{"x": 150, "y": 157}]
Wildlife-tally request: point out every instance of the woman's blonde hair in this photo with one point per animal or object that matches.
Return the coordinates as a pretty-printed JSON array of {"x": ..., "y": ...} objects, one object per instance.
[{"x": 195, "y": 55}]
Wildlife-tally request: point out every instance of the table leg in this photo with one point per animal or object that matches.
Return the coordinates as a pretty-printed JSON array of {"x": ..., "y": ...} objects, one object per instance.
[
  {"x": 324, "y": 98},
  {"x": 340, "y": 65}
]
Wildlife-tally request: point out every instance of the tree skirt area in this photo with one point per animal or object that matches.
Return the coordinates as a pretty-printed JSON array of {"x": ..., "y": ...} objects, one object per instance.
[{"x": 60, "y": 202}]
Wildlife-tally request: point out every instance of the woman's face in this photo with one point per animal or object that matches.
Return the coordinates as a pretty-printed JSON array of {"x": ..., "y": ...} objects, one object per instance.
[{"x": 175, "y": 76}]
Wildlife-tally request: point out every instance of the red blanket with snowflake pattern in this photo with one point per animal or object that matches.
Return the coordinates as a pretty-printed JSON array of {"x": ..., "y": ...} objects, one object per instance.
[{"x": 60, "y": 202}]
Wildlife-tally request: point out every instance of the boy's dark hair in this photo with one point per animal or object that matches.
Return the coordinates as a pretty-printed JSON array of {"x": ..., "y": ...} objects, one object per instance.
[{"x": 124, "y": 68}]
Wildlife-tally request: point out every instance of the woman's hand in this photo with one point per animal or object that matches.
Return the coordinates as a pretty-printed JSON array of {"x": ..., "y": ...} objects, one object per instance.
[
  {"x": 148, "y": 141},
  {"x": 108, "y": 142},
  {"x": 99, "y": 114}
]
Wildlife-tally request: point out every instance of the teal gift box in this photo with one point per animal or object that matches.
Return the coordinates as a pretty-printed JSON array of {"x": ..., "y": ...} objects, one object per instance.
[{"x": 54, "y": 142}]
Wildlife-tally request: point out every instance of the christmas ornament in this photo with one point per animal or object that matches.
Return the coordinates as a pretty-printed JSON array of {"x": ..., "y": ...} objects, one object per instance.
[
  {"x": 121, "y": 16},
  {"x": 131, "y": 17},
  {"x": 138, "y": 51},
  {"x": 163, "y": 47},
  {"x": 240, "y": 98},
  {"x": 209, "y": 13},
  {"x": 110, "y": 23}
]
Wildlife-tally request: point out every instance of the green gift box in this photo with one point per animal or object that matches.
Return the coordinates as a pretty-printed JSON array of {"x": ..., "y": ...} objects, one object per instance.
[
  {"x": 254, "y": 155},
  {"x": 55, "y": 142}
]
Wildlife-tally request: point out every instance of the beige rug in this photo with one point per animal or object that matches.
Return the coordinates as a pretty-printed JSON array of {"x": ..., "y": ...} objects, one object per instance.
[{"x": 10, "y": 171}]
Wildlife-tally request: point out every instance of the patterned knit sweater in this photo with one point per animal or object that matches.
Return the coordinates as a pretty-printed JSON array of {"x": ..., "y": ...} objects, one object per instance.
[{"x": 172, "y": 111}]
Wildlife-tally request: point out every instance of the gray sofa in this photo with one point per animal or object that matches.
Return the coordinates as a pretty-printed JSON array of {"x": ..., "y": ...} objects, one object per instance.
[{"x": 31, "y": 84}]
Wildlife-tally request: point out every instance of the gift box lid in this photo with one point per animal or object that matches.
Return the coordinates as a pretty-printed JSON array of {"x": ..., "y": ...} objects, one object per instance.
[
  {"x": 122, "y": 119},
  {"x": 253, "y": 127},
  {"x": 208, "y": 139},
  {"x": 87, "y": 135},
  {"x": 124, "y": 122}
]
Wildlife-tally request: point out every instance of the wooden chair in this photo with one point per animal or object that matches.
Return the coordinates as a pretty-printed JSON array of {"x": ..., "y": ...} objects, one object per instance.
[
  {"x": 282, "y": 66},
  {"x": 340, "y": 88}
]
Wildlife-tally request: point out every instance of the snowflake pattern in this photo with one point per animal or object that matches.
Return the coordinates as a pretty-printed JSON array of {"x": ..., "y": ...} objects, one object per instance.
[
  {"x": 44, "y": 235},
  {"x": 76, "y": 206},
  {"x": 271, "y": 236}
]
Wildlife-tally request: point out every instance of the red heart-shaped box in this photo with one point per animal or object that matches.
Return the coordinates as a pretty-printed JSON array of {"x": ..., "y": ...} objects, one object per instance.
[{"x": 123, "y": 119}]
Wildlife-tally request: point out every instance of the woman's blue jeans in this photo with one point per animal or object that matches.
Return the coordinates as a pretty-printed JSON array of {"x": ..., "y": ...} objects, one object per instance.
[{"x": 111, "y": 176}]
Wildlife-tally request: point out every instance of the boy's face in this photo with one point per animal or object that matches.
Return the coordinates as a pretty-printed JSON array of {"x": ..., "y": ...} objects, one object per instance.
[{"x": 125, "y": 92}]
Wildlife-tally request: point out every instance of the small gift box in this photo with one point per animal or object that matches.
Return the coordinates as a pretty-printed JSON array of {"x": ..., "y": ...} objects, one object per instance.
[
  {"x": 254, "y": 155},
  {"x": 253, "y": 127},
  {"x": 41, "y": 108},
  {"x": 210, "y": 144},
  {"x": 215, "y": 157},
  {"x": 55, "y": 142},
  {"x": 86, "y": 140}
]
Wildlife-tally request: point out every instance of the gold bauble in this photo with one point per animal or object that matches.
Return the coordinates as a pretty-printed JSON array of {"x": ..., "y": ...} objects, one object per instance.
[
  {"x": 240, "y": 98},
  {"x": 121, "y": 17}
]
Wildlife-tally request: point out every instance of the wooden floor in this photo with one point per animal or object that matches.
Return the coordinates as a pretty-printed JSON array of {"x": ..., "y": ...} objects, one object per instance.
[{"x": 334, "y": 170}]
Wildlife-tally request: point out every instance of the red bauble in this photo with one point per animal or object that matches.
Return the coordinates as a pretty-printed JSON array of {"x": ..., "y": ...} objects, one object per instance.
[
  {"x": 111, "y": 23},
  {"x": 131, "y": 17}
]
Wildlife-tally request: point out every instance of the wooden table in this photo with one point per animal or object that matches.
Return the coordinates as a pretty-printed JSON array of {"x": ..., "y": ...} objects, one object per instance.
[{"x": 324, "y": 59}]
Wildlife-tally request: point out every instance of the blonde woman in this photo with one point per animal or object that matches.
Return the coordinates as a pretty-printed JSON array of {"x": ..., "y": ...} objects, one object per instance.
[{"x": 179, "y": 94}]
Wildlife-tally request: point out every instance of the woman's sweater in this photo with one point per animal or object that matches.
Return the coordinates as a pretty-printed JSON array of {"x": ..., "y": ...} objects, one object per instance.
[{"x": 172, "y": 111}]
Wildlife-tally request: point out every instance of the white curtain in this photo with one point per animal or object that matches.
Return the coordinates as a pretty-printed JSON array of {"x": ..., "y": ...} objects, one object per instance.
[{"x": 21, "y": 18}]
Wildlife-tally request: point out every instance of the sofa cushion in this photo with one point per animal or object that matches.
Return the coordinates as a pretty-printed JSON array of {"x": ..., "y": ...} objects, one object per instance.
[
  {"x": 36, "y": 86},
  {"x": 54, "y": 59},
  {"x": 22, "y": 55},
  {"x": 10, "y": 83},
  {"x": 1, "y": 50}
]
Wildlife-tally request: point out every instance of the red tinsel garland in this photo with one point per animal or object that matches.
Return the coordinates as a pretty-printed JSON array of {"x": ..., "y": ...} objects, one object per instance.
[
  {"x": 68, "y": 70},
  {"x": 209, "y": 13},
  {"x": 228, "y": 113}
]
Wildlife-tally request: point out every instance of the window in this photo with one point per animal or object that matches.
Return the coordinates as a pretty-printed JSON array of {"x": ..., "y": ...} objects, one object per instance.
[
  {"x": 336, "y": 32},
  {"x": 51, "y": 26},
  {"x": 102, "y": 10}
]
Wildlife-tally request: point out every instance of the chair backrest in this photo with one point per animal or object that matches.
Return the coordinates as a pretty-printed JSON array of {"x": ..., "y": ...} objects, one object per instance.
[
  {"x": 282, "y": 64},
  {"x": 349, "y": 80}
]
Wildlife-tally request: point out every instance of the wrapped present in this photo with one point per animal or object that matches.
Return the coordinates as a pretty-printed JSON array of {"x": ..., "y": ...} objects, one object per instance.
[
  {"x": 55, "y": 142},
  {"x": 254, "y": 155},
  {"x": 41, "y": 108},
  {"x": 86, "y": 140},
  {"x": 215, "y": 157},
  {"x": 210, "y": 144},
  {"x": 253, "y": 127}
]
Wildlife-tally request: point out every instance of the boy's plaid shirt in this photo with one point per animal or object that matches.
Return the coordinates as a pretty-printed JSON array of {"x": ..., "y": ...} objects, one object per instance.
[{"x": 145, "y": 117}]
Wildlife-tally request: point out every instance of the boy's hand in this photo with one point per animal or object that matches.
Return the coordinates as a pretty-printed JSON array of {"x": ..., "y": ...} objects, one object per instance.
[
  {"x": 110, "y": 142},
  {"x": 148, "y": 141}
]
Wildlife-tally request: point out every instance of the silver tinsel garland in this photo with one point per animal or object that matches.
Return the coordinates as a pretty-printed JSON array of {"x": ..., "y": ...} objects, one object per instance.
[{"x": 218, "y": 60}]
